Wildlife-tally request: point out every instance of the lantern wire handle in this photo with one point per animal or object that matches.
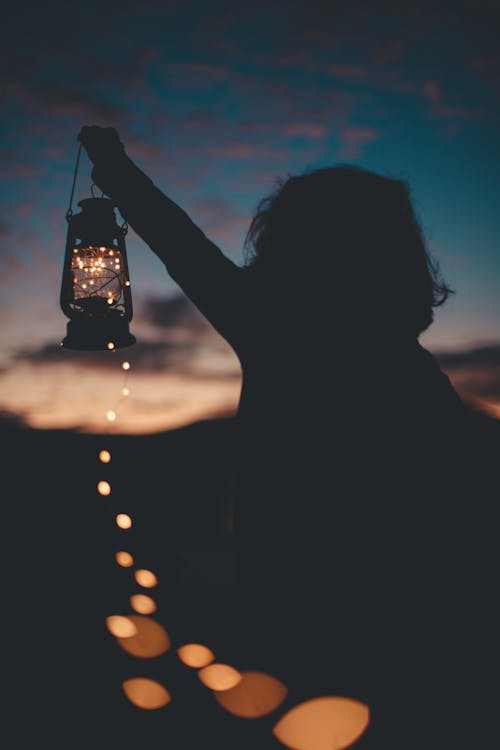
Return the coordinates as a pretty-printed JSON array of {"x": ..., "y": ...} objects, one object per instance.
[{"x": 69, "y": 212}]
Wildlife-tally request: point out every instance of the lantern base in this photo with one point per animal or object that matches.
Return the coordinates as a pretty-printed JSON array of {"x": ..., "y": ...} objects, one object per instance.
[{"x": 97, "y": 333}]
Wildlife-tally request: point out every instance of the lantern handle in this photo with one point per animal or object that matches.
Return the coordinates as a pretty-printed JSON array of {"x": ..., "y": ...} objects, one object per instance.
[{"x": 69, "y": 212}]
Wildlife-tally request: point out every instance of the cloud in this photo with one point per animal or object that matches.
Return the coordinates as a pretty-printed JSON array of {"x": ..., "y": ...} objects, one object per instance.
[
  {"x": 57, "y": 101},
  {"x": 179, "y": 340},
  {"x": 195, "y": 74},
  {"x": 176, "y": 312},
  {"x": 5, "y": 229},
  {"x": 141, "y": 149},
  {"x": 220, "y": 220},
  {"x": 353, "y": 139},
  {"x": 348, "y": 72},
  {"x": 433, "y": 93},
  {"x": 190, "y": 357},
  {"x": 15, "y": 165},
  {"x": 148, "y": 355},
  {"x": 474, "y": 372},
  {"x": 245, "y": 150},
  {"x": 391, "y": 49},
  {"x": 459, "y": 113},
  {"x": 307, "y": 129}
]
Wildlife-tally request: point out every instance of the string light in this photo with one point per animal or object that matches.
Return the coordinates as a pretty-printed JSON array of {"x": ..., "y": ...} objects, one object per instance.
[
  {"x": 195, "y": 655},
  {"x": 123, "y": 521},
  {"x": 145, "y": 578},
  {"x": 219, "y": 676},
  {"x": 329, "y": 723},
  {"x": 143, "y": 604},
  {"x": 121, "y": 627},
  {"x": 146, "y": 693},
  {"x": 104, "y": 488},
  {"x": 124, "y": 559}
]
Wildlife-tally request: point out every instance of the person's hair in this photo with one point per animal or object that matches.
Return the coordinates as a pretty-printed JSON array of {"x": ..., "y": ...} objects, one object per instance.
[{"x": 356, "y": 230}]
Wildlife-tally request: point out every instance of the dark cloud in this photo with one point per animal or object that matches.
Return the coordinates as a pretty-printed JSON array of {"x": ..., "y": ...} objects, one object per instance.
[
  {"x": 481, "y": 356},
  {"x": 176, "y": 312},
  {"x": 5, "y": 229},
  {"x": 147, "y": 356},
  {"x": 189, "y": 345},
  {"x": 55, "y": 100},
  {"x": 354, "y": 138},
  {"x": 474, "y": 372}
]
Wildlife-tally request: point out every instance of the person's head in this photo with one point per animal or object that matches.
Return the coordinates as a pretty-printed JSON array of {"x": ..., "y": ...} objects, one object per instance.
[{"x": 351, "y": 237}]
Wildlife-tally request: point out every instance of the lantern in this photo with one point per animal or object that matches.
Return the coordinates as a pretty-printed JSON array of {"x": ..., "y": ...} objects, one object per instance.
[{"x": 95, "y": 290}]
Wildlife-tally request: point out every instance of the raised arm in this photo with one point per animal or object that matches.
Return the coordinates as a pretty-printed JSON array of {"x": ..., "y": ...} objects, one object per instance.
[{"x": 210, "y": 279}]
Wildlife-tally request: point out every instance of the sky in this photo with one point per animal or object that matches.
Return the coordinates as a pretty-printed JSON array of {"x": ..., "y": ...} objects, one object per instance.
[{"x": 215, "y": 101}]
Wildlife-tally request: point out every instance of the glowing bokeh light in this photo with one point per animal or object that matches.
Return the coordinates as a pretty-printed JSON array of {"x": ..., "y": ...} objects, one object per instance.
[
  {"x": 143, "y": 604},
  {"x": 104, "y": 457},
  {"x": 110, "y": 345},
  {"x": 257, "y": 694},
  {"x": 111, "y": 415},
  {"x": 123, "y": 521},
  {"x": 150, "y": 640},
  {"x": 219, "y": 676},
  {"x": 146, "y": 693},
  {"x": 121, "y": 627},
  {"x": 124, "y": 559},
  {"x": 326, "y": 723},
  {"x": 145, "y": 578},
  {"x": 126, "y": 365},
  {"x": 195, "y": 655},
  {"x": 104, "y": 488}
]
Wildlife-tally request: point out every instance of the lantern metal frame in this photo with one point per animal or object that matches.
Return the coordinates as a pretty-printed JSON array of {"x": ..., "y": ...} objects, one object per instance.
[{"x": 95, "y": 286}]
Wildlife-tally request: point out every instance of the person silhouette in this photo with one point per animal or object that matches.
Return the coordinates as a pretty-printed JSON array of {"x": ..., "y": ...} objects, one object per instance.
[{"x": 353, "y": 460}]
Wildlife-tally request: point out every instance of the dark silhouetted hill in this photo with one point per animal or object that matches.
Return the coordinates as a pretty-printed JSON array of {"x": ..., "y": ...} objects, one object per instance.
[{"x": 60, "y": 581}]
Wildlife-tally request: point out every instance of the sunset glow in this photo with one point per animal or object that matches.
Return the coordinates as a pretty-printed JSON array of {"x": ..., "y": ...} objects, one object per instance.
[{"x": 359, "y": 95}]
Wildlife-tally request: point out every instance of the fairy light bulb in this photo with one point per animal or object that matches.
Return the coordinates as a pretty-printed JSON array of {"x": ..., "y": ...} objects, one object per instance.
[
  {"x": 104, "y": 456},
  {"x": 120, "y": 626},
  {"x": 104, "y": 488},
  {"x": 145, "y": 578},
  {"x": 143, "y": 604},
  {"x": 126, "y": 365},
  {"x": 123, "y": 521},
  {"x": 219, "y": 676},
  {"x": 195, "y": 655},
  {"x": 111, "y": 415},
  {"x": 124, "y": 559}
]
